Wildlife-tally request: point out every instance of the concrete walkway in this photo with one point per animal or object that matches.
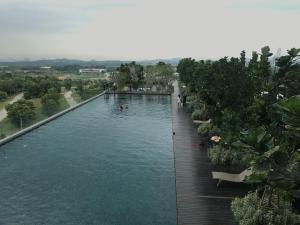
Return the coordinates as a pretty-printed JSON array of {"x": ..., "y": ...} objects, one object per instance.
[
  {"x": 199, "y": 201},
  {"x": 3, "y": 112},
  {"x": 69, "y": 98}
]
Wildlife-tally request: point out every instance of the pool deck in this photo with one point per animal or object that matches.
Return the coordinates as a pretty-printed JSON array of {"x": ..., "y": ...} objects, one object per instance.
[{"x": 199, "y": 200}]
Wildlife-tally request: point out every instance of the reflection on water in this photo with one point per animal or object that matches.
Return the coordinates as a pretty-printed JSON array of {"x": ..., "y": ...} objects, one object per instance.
[{"x": 95, "y": 165}]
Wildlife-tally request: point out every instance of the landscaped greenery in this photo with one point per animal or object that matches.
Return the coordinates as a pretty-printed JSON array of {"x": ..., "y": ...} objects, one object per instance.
[
  {"x": 3, "y": 103},
  {"x": 134, "y": 76},
  {"x": 161, "y": 75},
  {"x": 43, "y": 94},
  {"x": 87, "y": 88},
  {"x": 21, "y": 112},
  {"x": 76, "y": 96},
  {"x": 255, "y": 112},
  {"x": 9, "y": 125},
  {"x": 50, "y": 101}
]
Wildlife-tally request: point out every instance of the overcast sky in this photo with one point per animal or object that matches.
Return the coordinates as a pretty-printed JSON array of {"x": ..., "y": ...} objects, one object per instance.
[{"x": 145, "y": 29}]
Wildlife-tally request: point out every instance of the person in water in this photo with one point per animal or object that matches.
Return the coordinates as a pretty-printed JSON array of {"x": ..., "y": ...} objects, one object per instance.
[{"x": 121, "y": 108}]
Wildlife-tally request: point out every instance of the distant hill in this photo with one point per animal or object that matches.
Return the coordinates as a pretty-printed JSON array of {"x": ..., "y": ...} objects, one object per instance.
[
  {"x": 173, "y": 61},
  {"x": 82, "y": 63}
]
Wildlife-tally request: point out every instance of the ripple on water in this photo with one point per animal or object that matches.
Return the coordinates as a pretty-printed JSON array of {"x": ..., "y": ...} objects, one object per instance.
[{"x": 94, "y": 165}]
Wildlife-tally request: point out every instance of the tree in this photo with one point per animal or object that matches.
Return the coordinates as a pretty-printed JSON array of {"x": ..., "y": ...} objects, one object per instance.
[
  {"x": 287, "y": 80},
  {"x": 21, "y": 112},
  {"x": 36, "y": 87},
  {"x": 150, "y": 75},
  {"x": 264, "y": 65},
  {"x": 3, "y": 95},
  {"x": 131, "y": 74},
  {"x": 50, "y": 101},
  {"x": 68, "y": 84},
  {"x": 165, "y": 73},
  {"x": 79, "y": 86},
  {"x": 186, "y": 68},
  {"x": 50, "y": 106},
  {"x": 161, "y": 73},
  {"x": 257, "y": 113}
]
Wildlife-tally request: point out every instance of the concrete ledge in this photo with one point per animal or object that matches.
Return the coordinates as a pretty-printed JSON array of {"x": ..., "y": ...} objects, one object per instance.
[
  {"x": 53, "y": 117},
  {"x": 138, "y": 93},
  {"x": 201, "y": 121}
]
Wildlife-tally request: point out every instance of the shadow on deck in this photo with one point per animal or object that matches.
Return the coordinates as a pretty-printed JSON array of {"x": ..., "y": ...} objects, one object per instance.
[{"x": 199, "y": 200}]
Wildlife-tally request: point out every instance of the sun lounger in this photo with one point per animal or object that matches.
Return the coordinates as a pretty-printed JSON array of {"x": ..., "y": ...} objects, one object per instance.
[
  {"x": 201, "y": 121},
  {"x": 238, "y": 178}
]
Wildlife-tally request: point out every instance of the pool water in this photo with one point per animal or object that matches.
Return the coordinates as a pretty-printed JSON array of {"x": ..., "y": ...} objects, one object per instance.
[{"x": 94, "y": 165}]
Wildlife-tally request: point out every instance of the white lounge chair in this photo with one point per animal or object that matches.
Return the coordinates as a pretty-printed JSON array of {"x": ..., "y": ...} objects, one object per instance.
[
  {"x": 237, "y": 178},
  {"x": 201, "y": 121}
]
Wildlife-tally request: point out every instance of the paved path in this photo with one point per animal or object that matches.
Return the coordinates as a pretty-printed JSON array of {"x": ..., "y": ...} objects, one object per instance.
[
  {"x": 3, "y": 112},
  {"x": 69, "y": 98},
  {"x": 199, "y": 201}
]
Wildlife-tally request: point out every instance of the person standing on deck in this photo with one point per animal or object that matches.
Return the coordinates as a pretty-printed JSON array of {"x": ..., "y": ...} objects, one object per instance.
[{"x": 178, "y": 101}]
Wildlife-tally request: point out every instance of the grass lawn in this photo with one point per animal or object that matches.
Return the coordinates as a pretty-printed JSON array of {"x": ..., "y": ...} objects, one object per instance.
[
  {"x": 8, "y": 128},
  {"x": 63, "y": 104},
  {"x": 5, "y": 102},
  {"x": 76, "y": 96}
]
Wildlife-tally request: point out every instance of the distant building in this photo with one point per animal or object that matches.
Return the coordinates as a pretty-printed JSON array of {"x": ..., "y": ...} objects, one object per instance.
[
  {"x": 92, "y": 70},
  {"x": 45, "y": 67}
]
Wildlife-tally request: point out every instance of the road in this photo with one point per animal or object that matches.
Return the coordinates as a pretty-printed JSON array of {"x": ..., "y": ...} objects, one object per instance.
[
  {"x": 69, "y": 98},
  {"x": 3, "y": 112}
]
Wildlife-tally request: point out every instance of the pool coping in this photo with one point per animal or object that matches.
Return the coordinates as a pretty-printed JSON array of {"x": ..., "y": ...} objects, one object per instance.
[
  {"x": 47, "y": 120},
  {"x": 138, "y": 93}
]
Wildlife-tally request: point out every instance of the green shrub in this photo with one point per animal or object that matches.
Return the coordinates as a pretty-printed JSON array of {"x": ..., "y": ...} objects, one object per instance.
[
  {"x": 229, "y": 121},
  {"x": 241, "y": 158},
  {"x": 196, "y": 114},
  {"x": 219, "y": 156},
  {"x": 251, "y": 210},
  {"x": 207, "y": 129},
  {"x": 214, "y": 131},
  {"x": 190, "y": 98},
  {"x": 3, "y": 95},
  {"x": 190, "y": 106},
  {"x": 204, "y": 129}
]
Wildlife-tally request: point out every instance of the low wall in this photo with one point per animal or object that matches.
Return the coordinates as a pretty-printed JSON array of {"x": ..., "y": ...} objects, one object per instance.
[
  {"x": 138, "y": 93},
  {"x": 53, "y": 117}
]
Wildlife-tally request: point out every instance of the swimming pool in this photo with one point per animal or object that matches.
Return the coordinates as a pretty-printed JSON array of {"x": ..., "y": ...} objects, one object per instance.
[{"x": 94, "y": 165}]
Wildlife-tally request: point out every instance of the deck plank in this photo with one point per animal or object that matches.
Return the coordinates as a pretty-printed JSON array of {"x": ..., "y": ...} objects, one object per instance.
[{"x": 199, "y": 200}]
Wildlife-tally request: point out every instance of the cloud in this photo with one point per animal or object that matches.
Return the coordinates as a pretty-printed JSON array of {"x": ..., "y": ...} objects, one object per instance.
[
  {"x": 27, "y": 19},
  {"x": 268, "y": 5},
  {"x": 51, "y": 15},
  {"x": 134, "y": 29}
]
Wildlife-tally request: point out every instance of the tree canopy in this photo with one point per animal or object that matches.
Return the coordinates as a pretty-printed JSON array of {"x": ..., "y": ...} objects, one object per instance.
[
  {"x": 21, "y": 112},
  {"x": 254, "y": 110}
]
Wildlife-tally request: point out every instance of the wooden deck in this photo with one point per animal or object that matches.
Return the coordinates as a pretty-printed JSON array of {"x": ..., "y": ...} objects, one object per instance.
[{"x": 199, "y": 201}]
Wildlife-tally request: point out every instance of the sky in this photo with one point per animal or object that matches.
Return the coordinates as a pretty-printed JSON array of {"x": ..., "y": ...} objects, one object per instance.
[{"x": 145, "y": 29}]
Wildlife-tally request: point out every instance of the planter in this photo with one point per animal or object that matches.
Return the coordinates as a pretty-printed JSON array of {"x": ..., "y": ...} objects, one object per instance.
[{"x": 229, "y": 168}]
